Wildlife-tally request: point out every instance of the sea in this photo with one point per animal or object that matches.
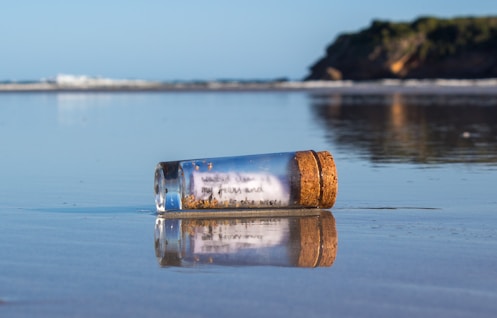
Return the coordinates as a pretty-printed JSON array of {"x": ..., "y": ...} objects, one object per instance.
[{"x": 413, "y": 232}]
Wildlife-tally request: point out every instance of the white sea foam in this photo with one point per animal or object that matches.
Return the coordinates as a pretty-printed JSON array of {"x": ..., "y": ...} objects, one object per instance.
[
  {"x": 67, "y": 80},
  {"x": 317, "y": 84}
]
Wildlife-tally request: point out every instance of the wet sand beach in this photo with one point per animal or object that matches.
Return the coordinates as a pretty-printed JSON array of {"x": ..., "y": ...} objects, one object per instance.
[{"x": 414, "y": 229}]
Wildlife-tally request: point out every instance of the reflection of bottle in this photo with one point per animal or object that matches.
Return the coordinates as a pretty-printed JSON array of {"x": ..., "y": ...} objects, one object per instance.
[
  {"x": 285, "y": 180},
  {"x": 307, "y": 240}
]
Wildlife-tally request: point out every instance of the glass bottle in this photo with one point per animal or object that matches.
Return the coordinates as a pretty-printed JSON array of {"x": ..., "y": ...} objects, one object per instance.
[
  {"x": 307, "y": 239},
  {"x": 301, "y": 179}
]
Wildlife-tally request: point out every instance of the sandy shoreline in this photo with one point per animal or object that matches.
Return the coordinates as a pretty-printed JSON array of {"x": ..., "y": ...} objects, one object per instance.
[{"x": 488, "y": 86}]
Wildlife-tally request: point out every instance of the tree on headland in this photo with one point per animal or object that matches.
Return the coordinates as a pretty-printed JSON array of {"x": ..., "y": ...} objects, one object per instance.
[{"x": 428, "y": 47}]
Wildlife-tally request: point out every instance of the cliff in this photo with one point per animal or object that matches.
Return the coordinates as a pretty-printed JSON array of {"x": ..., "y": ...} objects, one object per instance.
[{"x": 426, "y": 48}]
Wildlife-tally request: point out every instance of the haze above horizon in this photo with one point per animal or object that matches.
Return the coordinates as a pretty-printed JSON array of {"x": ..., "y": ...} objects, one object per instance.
[{"x": 162, "y": 40}]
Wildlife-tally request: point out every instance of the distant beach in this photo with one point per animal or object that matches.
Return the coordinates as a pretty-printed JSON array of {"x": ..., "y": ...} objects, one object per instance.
[{"x": 70, "y": 83}]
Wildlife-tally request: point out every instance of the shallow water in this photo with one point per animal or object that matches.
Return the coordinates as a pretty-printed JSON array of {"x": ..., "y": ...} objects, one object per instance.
[{"x": 415, "y": 219}]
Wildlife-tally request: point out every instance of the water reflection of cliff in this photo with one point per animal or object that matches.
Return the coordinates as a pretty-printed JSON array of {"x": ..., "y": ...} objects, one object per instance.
[
  {"x": 308, "y": 240},
  {"x": 412, "y": 128}
]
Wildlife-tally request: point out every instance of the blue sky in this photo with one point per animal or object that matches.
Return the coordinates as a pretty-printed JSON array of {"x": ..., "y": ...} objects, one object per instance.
[{"x": 189, "y": 40}]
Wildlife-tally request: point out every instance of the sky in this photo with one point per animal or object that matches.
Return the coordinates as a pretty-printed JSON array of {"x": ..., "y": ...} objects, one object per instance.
[{"x": 191, "y": 40}]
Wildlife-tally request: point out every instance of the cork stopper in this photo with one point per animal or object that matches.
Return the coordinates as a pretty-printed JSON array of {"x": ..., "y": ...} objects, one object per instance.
[
  {"x": 318, "y": 179},
  {"x": 318, "y": 241}
]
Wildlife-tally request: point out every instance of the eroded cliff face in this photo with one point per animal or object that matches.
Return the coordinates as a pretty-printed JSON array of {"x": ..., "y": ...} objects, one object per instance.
[{"x": 425, "y": 48}]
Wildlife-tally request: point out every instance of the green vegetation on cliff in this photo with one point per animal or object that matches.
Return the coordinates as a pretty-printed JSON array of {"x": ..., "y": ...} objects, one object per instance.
[{"x": 426, "y": 48}]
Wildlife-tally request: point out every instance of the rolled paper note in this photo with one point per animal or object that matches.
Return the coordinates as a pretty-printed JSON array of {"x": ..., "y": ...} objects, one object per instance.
[{"x": 300, "y": 179}]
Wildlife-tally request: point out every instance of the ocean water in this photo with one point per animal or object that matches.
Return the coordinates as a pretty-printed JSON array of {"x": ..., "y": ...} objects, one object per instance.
[{"x": 413, "y": 232}]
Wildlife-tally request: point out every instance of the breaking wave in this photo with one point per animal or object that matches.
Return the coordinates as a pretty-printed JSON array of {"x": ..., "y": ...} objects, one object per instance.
[{"x": 84, "y": 80}]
